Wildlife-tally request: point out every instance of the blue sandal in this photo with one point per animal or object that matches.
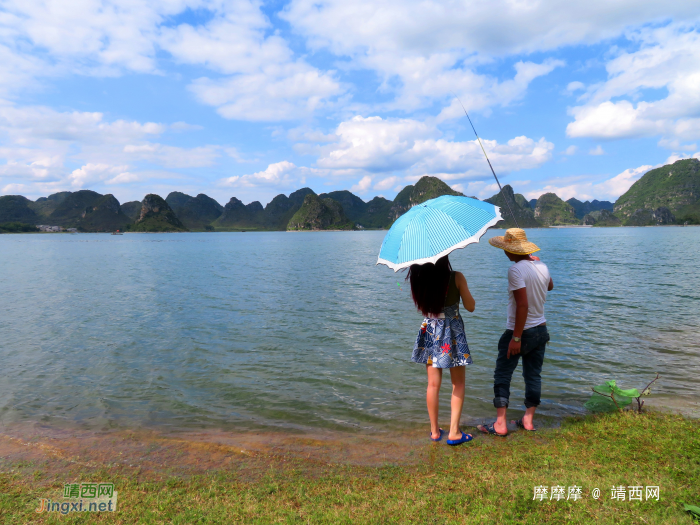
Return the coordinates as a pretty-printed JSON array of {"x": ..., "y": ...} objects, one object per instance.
[
  {"x": 442, "y": 432},
  {"x": 466, "y": 438},
  {"x": 488, "y": 429}
]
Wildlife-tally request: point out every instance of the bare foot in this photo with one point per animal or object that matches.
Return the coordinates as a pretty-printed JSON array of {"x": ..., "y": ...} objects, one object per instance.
[
  {"x": 527, "y": 424},
  {"x": 501, "y": 430}
]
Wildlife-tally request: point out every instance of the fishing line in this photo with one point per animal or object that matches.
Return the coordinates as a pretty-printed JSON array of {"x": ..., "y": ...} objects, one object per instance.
[{"x": 487, "y": 160}]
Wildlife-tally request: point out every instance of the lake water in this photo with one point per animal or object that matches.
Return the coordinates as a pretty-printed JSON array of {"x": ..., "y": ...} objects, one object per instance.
[{"x": 303, "y": 331}]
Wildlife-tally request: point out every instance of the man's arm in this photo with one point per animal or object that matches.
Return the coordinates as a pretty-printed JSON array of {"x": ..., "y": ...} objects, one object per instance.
[{"x": 521, "y": 307}]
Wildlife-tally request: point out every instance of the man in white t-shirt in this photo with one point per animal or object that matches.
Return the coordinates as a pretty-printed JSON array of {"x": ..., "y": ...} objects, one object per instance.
[{"x": 526, "y": 329}]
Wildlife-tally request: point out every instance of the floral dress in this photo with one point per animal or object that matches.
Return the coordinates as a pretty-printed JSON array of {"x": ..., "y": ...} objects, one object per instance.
[{"x": 441, "y": 342}]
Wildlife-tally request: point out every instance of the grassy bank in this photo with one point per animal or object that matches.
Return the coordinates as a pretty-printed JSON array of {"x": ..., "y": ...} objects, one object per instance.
[{"x": 490, "y": 480}]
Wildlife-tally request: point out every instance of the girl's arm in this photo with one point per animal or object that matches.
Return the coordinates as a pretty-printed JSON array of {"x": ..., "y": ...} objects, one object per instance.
[{"x": 467, "y": 298}]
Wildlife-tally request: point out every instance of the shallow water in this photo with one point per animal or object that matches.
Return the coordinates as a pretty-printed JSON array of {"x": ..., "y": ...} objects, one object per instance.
[{"x": 302, "y": 330}]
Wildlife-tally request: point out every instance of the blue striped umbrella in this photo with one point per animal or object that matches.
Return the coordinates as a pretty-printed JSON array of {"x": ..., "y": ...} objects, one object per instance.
[{"x": 435, "y": 228}]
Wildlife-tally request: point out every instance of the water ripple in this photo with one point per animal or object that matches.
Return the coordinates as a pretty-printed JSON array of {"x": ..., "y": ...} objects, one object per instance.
[{"x": 243, "y": 330}]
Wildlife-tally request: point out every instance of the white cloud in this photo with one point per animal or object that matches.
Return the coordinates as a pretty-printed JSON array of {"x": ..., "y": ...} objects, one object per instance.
[
  {"x": 173, "y": 157},
  {"x": 571, "y": 150},
  {"x": 500, "y": 27},
  {"x": 264, "y": 81},
  {"x": 125, "y": 178},
  {"x": 91, "y": 37},
  {"x": 108, "y": 38},
  {"x": 184, "y": 126},
  {"x": 38, "y": 144},
  {"x": 575, "y": 86},
  {"x": 11, "y": 189},
  {"x": 275, "y": 175},
  {"x": 92, "y": 173},
  {"x": 422, "y": 50},
  {"x": 584, "y": 189},
  {"x": 305, "y": 134},
  {"x": 387, "y": 183},
  {"x": 376, "y": 144},
  {"x": 30, "y": 123},
  {"x": 669, "y": 60},
  {"x": 598, "y": 150},
  {"x": 676, "y": 144},
  {"x": 481, "y": 189},
  {"x": 384, "y": 145},
  {"x": 362, "y": 185},
  {"x": 475, "y": 91},
  {"x": 679, "y": 156},
  {"x": 279, "y": 92}
]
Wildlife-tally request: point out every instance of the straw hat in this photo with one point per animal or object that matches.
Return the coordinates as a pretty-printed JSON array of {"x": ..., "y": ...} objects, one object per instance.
[{"x": 514, "y": 241}]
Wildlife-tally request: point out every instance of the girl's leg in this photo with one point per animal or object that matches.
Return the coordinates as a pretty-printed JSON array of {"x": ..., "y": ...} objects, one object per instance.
[
  {"x": 434, "y": 382},
  {"x": 457, "y": 375}
]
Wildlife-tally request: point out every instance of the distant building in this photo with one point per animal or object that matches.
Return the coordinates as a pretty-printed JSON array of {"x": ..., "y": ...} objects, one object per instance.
[
  {"x": 46, "y": 228},
  {"x": 72, "y": 230}
]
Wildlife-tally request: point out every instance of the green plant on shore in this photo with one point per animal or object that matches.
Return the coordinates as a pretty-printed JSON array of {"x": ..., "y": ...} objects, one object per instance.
[
  {"x": 693, "y": 511},
  {"x": 611, "y": 397}
]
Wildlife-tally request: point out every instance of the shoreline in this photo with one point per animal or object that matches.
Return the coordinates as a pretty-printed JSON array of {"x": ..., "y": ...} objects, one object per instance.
[
  {"x": 557, "y": 227},
  {"x": 271, "y": 478}
]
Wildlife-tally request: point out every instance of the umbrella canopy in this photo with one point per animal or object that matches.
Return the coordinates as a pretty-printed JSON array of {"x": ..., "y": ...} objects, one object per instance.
[{"x": 434, "y": 228}]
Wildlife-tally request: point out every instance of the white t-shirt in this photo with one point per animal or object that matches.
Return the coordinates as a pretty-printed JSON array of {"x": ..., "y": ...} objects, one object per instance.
[{"x": 534, "y": 277}]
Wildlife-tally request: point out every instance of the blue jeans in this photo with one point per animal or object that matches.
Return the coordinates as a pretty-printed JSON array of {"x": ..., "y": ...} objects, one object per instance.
[{"x": 532, "y": 347}]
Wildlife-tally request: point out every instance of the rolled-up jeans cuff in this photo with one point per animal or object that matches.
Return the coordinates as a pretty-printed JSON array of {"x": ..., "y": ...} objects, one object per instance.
[
  {"x": 500, "y": 402},
  {"x": 530, "y": 404}
]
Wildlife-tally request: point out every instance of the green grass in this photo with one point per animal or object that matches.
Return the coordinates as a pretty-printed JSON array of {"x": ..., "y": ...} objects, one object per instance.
[{"x": 490, "y": 480}]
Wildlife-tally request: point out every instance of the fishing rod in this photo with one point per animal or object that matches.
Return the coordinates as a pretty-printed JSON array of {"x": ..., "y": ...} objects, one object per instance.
[{"x": 487, "y": 160}]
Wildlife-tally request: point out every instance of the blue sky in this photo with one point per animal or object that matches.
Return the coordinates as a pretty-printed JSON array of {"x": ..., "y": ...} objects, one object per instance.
[{"x": 253, "y": 99}]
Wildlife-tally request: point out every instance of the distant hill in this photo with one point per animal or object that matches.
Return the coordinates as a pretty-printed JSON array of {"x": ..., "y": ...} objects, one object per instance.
[
  {"x": 157, "y": 216},
  {"x": 666, "y": 195},
  {"x": 425, "y": 189},
  {"x": 85, "y": 210},
  {"x": 275, "y": 216},
  {"x": 353, "y": 206},
  {"x": 373, "y": 214},
  {"x": 663, "y": 195},
  {"x": 320, "y": 214},
  {"x": 132, "y": 209},
  {"x": 241, "y": 216},
  {"x": 518, "y": 204},
  {"x": 15, "y": 208},
  {"x": 194, "y": 212},
  {"x": 552, "y": 211},
  {"x": 584, "y": 208},
  {"x": 103, "y": 215},
  {"x": 71, "y": 207},
  {"x": 44, "y": 206},
  {"x": 601, "y": 218},
  {"x": 377, "y": 214}
]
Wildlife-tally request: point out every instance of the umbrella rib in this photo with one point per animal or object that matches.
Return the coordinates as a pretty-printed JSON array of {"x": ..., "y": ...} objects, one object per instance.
[{"x": 452, "y": 224}]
